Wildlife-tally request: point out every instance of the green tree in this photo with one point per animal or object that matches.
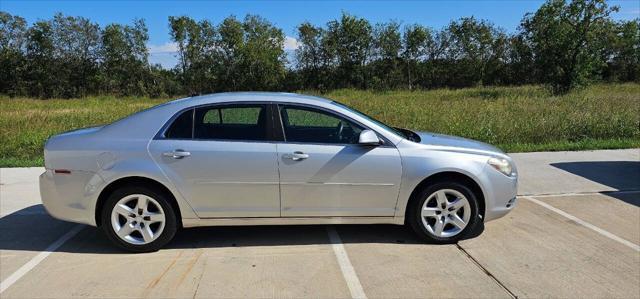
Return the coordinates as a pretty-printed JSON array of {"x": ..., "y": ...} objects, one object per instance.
[
  {"x": 124, "y": 55},
  {"x": 309, "y": 55},
  {"x": 196, "y": 44},
  {"x": 75, "y": 44},
  {"x": 622, "y": 52},
  {"x": 416, "y": 40},
  {"x": 263, "y": 56},
  {"x": 387, "y": 45},
  {"x": 40, "y": 78},
  {"x": 564, "y": 38},
  {"x": 520, "y": 62},
  {"x": 13, "y": 35},
  {"x": 473, "y": 45},
  {"x": 350, "y": 39},
  {"x": 230, "y": 45}
]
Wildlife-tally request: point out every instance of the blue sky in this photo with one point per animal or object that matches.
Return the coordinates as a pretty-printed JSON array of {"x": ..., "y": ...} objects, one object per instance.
[{"x": 284, "y": 14}]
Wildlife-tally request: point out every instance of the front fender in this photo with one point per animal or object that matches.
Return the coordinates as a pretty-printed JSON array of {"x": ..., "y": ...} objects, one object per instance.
[{"x": 420, "y": 164}]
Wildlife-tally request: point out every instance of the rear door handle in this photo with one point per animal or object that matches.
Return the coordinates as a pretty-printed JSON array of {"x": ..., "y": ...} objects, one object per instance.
[
  {"x": 177, "y": 154},
  {"x": 297, "y": 156}
]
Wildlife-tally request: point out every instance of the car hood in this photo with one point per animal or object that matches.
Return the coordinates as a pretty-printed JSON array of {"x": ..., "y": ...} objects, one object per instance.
[{"x": 429, "y": 138}]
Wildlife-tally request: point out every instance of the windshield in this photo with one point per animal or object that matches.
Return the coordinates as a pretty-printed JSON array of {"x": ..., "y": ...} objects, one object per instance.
[{"x": 373, "y": 120}]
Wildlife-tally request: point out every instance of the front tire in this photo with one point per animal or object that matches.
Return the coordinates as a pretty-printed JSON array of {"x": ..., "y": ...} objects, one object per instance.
[
  {"x": 139, "y": 219},
  {"x": 444, "y": 212}
]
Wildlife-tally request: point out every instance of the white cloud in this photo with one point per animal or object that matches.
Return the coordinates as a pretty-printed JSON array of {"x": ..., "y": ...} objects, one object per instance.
[
  {"x": 164, "y": 48},
  {"x": 164, "y": 54},
  {"x": 290, "y": 43},
  {"x": 166, "y": 60}
]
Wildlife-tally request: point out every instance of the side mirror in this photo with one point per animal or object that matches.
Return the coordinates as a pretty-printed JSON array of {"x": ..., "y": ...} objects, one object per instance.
[{"x": 368, "y": 137}]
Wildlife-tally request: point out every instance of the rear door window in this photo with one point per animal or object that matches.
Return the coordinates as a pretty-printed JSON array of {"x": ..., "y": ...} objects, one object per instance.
[{"x": 231, "y": 122}]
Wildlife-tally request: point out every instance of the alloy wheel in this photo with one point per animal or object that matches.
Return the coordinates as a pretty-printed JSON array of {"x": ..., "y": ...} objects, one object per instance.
[
  {"x": 445, "y": 213},
  {"x": 138, "y": 219}
]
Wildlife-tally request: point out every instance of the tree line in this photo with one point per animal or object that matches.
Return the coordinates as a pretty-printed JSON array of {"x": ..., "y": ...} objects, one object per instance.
[{"x": 563, "y": 45}]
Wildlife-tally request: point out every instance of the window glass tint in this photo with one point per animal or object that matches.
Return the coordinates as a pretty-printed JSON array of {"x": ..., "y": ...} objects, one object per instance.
[
  {"x": 244, "y": 115},
  {"x": 211, "y": 117},
  {"x": 236, "y": 122},
  {"x": 306, "y": 118},
  {"x": 302, "y": 124},
  {"x": 181, "y": 128}
]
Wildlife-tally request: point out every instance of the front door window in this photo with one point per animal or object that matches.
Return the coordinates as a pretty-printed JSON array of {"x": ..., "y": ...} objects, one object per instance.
[{"x": 308, "y": 125}]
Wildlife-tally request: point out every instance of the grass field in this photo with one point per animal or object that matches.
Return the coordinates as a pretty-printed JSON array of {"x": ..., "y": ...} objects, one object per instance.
[{"x": 516, "y": 119}]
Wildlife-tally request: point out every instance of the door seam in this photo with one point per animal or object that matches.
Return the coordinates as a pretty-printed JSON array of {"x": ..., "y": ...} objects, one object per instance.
[{"x": 279, "y": 180}]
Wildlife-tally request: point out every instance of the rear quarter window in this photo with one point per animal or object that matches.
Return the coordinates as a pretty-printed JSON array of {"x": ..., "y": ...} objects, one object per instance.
[{"x": 182, "y": 126}]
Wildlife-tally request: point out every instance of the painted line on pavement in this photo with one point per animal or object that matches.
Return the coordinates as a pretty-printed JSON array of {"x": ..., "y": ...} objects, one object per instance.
[
  {"x": 585, "y": 224},
  {"x": 13, "y": 278},
  {"x": 348, "y": 272},
  {"x": 581, "y": 193}
]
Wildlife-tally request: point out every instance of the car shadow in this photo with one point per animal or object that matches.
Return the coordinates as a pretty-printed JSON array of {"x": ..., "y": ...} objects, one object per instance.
[
  {"x": 630, "y": 198},
  {"x": 31, "y": 229},
  {"x": 620, "y": 175}
]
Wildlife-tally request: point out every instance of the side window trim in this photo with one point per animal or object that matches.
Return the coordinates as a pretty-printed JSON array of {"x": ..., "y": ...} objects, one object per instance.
[
  {"x": 193, "y": 122},
  {"x": 280, "y": 123}
]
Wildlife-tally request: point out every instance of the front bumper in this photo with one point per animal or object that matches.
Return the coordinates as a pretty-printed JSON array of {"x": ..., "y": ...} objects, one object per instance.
[
  {"x": 500, "y": 194},
  {"x": 70, "y": 197}
]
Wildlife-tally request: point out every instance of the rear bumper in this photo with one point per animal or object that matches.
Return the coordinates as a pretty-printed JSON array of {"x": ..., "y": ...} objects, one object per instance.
[{"x": 70, "y": 197}]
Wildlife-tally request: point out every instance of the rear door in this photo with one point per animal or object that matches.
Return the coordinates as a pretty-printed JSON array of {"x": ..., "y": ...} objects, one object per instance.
[{"x": 222, "y": 159}]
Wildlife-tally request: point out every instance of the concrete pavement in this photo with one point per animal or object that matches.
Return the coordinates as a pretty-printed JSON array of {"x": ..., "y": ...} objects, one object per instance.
[
  {"x": 578, "y": 172},
  {"x": 532, "y": 252}
]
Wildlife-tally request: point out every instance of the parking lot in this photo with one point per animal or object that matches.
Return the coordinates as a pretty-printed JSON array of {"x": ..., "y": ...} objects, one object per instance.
[{"x": 574, "y": 233}]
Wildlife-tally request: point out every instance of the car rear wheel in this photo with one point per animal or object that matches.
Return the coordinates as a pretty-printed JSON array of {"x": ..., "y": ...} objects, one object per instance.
[
  {"x": 139, "y": 219},
  {"x": 444, "y": 212}
]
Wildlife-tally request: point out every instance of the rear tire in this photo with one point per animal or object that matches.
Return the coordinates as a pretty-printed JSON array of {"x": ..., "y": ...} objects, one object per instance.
[
  {"x": 139, "y": 219},
  {"x": 444, "y": 212}
]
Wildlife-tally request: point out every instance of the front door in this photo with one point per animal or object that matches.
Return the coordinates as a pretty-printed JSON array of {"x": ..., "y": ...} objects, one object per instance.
[
  {"x": 223, "y": 162},
  {"x": 325, "y": 172}
]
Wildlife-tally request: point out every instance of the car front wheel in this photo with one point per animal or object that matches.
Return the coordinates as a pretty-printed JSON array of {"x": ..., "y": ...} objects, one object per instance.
[
  {"x": 444, "y": 212},
  {"x": 138, "y": 219}
]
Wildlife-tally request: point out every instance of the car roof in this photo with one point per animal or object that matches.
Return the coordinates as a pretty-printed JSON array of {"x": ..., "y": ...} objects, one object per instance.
[
  {"x": 252, "y": 97},
  {"x": 148, "y": 122}
]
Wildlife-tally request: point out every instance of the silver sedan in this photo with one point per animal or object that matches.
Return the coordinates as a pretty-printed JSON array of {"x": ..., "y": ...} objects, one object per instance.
[{"x": 269, "y": 158}]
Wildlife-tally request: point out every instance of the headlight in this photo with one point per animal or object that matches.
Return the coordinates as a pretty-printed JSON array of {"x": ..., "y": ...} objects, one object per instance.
[{"x": 501, "y": 165}]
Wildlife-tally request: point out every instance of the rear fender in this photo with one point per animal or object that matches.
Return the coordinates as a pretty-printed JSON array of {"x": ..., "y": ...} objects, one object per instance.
[{"x": 147, "y": 169}]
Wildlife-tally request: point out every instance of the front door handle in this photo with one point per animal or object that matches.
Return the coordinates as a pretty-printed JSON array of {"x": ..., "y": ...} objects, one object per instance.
[
  {"x": 297, "y": 156},
  {"x": 177, "y": 154}
]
